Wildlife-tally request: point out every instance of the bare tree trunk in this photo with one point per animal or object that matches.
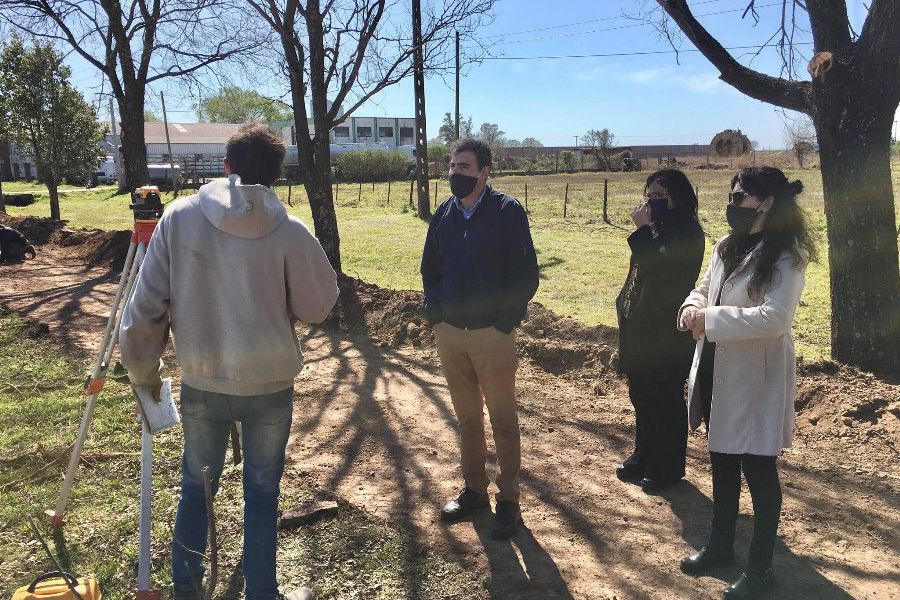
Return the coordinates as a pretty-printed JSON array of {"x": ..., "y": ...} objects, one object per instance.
[
  {"x": 53, "y": 191},
  {"x": 424, "y": 208},
  {"x": 865, "y": 288},
  {"x": 317, "y": 179},
  {"x": 134, "y": 148}
]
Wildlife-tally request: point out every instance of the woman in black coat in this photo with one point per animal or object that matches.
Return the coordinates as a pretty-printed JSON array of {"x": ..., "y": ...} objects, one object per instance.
[{"x": 666, "y": 253}]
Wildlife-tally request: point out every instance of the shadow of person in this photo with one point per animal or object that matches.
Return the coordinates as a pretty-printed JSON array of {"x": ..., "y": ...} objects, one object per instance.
[
  {"x": 234, "y": 588},
  {"x": 796, "y": 576},
  {"x": 520, "y": 567}
]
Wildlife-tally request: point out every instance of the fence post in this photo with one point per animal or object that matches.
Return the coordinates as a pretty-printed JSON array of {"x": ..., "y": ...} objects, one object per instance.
[
  {"x": 435, "y": 191},
  {"x": 556, "y": 168},
  {"x": 605, "y": 201},
  {"x": 566, "y": 200},
  {"x": 290, "y": 184},
  {"x": 411, "y": 184},
  {"x": 359, "y": 197},
  {"x": 389, "y": 193},
  {"x": 526, "y": 197},
  {"x": 697, "y": 192},
  {"x": 373, "y": 186}
]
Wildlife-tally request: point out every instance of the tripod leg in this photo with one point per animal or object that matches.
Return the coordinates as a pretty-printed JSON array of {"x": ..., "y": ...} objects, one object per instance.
[
  {"x": 143, "y": 575},
  {"x": 99, "y": 372}
]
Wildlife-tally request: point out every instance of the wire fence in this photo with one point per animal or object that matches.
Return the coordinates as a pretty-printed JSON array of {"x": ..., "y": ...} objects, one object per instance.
[{"x": 604, "y": 199}]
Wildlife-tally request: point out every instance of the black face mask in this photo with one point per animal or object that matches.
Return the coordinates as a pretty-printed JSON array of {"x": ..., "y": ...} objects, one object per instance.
[
  {"x": 462, "y": 185},
  {"x": 659, "y": 209},
  {"x": 741, "y": 219}
]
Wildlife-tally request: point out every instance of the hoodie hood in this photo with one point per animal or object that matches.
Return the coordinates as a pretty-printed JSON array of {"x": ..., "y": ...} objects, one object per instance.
[{"x": 245, "y": 211}]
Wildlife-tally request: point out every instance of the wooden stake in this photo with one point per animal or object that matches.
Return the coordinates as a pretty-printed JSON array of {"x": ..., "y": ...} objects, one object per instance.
[
  {"x": 566, "y": 200},
  {"x": 605, "y": 200}
]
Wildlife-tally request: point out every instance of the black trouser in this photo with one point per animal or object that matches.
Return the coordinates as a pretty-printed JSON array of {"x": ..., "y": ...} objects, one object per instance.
[
  {"x": 765, "y": 491},
  {"x": 762, "y": 478},
  {"x": 660, "y": 436}
]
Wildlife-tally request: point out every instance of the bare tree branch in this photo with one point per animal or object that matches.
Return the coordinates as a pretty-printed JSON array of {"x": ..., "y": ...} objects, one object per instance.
[{"x": 774, "y": 90}]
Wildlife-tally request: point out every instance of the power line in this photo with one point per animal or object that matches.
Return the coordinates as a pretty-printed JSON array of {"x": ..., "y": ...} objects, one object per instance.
[
  {"x": 619, "y": 54},
  {"x": 577, "y": 23},
  {"x": 631, "y": 26}
]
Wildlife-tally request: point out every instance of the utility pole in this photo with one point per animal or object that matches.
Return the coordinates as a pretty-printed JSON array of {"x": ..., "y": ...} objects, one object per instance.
[
  {"x": 576, "y": 141},
  {"x": 457, "y": 85},
  {"x": 169, "y": 145},
  {"x": 116, "y": 154},
  {"x": 424, "y": 208}
]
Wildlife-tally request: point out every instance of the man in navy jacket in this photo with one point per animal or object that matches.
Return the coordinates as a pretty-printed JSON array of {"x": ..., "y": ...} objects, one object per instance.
[{"x": 479, "y": 271}]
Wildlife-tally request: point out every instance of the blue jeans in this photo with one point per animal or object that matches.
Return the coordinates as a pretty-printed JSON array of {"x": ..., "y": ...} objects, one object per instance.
[{"x": 265, "y": 425}]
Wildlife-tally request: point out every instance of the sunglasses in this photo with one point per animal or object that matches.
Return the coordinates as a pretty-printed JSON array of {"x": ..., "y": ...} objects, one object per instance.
[{"x": 737, "y": 197}]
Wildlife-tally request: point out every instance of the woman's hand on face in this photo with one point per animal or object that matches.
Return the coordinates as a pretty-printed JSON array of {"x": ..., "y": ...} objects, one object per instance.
[
  {"x": 698, "y": 327},
  {"x": 641, "y": 214},
  {"x": 686, "y": 322}
]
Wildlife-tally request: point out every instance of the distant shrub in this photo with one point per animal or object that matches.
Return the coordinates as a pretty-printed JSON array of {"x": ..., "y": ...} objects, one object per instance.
[{"x": 371, "y": 165}]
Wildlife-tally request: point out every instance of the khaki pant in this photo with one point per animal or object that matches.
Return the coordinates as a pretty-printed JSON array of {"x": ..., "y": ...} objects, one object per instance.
[{"x": 480, "y": 367}]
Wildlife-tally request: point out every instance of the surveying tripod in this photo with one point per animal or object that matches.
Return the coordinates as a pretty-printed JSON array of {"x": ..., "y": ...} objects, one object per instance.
[{"x": 147, "y": 207}]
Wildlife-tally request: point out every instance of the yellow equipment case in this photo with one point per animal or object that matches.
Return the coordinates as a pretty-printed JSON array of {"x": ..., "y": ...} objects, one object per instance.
[{"x": 58, "y": 585}]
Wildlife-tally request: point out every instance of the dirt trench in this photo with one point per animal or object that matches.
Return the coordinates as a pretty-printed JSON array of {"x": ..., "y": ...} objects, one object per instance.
[{"x": 373, "y": 424}]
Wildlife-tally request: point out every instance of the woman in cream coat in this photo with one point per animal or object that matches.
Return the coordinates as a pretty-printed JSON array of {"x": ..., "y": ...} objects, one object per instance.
[{"x": 742, "y": 381}]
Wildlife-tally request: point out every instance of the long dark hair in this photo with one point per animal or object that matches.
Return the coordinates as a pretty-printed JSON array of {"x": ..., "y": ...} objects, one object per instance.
[
  {"x": 784, "y": 229},
  {"x": 679, "y": 188}
]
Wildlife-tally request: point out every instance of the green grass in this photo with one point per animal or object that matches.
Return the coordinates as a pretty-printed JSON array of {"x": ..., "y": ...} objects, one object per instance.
[
  {"x": 583, "y": 260},
  {"x": 41, "y": 401}
]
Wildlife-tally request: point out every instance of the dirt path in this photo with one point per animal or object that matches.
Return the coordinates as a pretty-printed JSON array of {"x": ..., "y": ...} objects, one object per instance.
[{"x": 373, "y": 424}]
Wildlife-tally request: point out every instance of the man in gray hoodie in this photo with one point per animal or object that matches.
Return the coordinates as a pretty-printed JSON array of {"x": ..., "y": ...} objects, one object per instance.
[{"x": 229, "y": 272}]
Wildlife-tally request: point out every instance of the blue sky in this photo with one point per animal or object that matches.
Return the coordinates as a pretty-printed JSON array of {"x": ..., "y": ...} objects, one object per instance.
[{"x": 641, "y": 99}]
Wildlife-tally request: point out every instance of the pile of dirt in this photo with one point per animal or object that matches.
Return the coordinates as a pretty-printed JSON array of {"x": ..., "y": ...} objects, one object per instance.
[
  {"x": 94, "y": 247},
  {"x": 835, "y": 400},
  {"x": 36, "y": 229},
  {"x": 558, "y": 345},
  {"x": 389, "y": 317},
  {"x": 97, "y": 248}
]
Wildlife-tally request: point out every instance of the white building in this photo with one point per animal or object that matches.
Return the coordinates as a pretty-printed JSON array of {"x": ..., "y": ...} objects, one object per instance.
[{"x": 394, "y": 131}]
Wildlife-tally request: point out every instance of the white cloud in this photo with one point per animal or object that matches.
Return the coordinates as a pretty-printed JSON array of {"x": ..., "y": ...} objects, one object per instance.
[
  {"x": 592, "y": 74},
  {"x": 646, "y": 76},
  {"x": 702, "y": 83}
]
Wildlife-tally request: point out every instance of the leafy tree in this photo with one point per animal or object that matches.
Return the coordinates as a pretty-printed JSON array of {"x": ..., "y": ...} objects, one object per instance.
[
  {"x": 447, "y": 132},
  {"x": 235, "y": 105},
  {"x": 511, "y": 143},
  {"x": 531, "y": 142},
  {"x": 850, "y": 89},
  {"x": 437, "y": 152},
  {"x": 601, "y": 143},
  {"x": 46, "y": 116},
  {"x": 465, "y": 128},
  {"x": 493, "y": 136},
  {"x": 150, "y": 117}
]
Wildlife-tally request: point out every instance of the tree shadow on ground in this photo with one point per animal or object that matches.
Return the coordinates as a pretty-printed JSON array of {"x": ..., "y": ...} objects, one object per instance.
[{"x": 796, "y": 575}]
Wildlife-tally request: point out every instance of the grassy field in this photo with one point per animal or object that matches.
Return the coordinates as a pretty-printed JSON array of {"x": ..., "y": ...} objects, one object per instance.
[
  {"x": 41, "y": 400},
  {"x": 583, "y": 260}
]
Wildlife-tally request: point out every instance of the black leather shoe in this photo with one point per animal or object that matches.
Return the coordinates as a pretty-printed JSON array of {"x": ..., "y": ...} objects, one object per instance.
[
  {"x": 705, "y": 559},
  {"x": 629, "y": 473},
  {"x": 651, "y": 486},
  {"x": 506, "y": 521},
  {"x": 750, "y": 585},
  {"x": 463, "y": 505}
]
